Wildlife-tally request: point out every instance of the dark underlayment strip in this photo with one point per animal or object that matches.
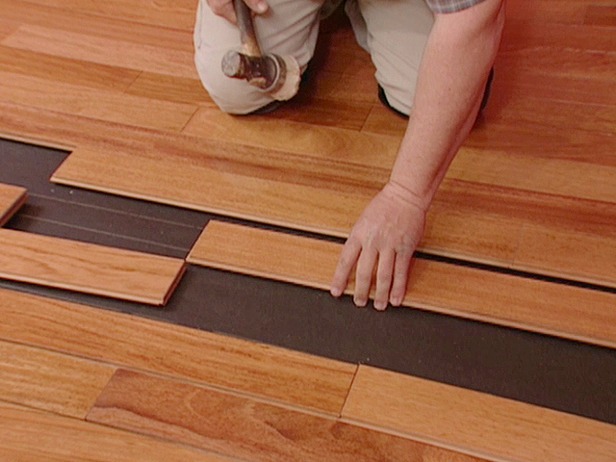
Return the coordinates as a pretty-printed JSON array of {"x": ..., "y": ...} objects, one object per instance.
[{"x": 542, "y": 370}]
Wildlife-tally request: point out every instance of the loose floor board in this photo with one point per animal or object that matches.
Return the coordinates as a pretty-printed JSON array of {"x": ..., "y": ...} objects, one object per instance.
[
  {"x": 248, "y": 430},
  {"x": 476, "y": 423},
  {"x": 529, "y": 304},
  {"x": 11, "y": 199},
  {"x": 88, "y": 268},
  {"x": 50, "y": 381},
  {"x": 278, "y": 374},
  {"x": 30, "y": 436}
]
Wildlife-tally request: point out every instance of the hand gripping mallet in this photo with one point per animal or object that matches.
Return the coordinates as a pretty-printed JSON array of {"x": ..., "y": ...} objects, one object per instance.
[{"x": 277, "y": 75}]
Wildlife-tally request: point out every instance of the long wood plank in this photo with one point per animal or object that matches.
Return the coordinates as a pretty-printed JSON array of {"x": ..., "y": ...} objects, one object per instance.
[
  {"x": 88, "y": 268},
  {"x": 102, "y": 50},
  {"x": 479, "y": 222},
  {"x": 488, "y": 296},
  {"x": 11, "y": 199},
  {"x": 50, "y": 381},
  {"x": 247, "y": 429},
  {"x": 32, "y": 436},
  {"x": 285, "y": 376},
  {"x": 95, "y": 103},
  {"x": 473, "y": 422}
]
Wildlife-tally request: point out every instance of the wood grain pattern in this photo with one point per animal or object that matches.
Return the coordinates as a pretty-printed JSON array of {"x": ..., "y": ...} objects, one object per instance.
[
  {"x": 601, "y": 15},
  {"x": 31, "y": 436},
  {"x": 93, "y": 103},
  {"x": 88, "y": 268},
  {"x": 491, "y": 297},
  {"x": 50, "y": 381},
  {"x": 594, "y": 256},
  {"x": 103, "y": 50},
  {"x": 247, "y": 429},
  {"x": 476, "y": 423},
  {"x": 272, "y": 373},
  {"x": 11, "y": 199}
]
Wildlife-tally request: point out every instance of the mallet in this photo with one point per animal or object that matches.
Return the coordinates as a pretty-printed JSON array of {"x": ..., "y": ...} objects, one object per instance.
[{"x": 277, "y": 75}]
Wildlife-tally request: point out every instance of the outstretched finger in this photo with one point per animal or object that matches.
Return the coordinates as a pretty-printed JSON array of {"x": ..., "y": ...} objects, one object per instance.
[
  {"x": 384, "y": 276},
  {"x": 400, "y": 278},
  {"x": 346, "y": 262},
  {"x": 363, "y": 275}
]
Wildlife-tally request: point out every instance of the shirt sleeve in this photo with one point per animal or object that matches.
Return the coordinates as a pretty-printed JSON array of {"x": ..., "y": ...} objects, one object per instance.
[{"x": 450, "y": 6}]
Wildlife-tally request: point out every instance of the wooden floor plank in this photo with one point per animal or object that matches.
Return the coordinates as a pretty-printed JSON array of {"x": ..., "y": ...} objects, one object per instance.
[
  {"x": 473, "y": 422},
  {"x": 105, "y": 51},
  {"x": 50, "y": 381},
  {"x": 490, "y": 297},
  {"x": 69, "y": 71},
  {"x": 94, "y": 103},
  {"x": 170, "y": 88},
  {"x": 296, "y": 379},
  {"x": 86, "y": 19},
  {"x": 247, "y": 429},
  {"x": 556, "y": 252},
  {"x": 11, "y": 200},
  {"x": 167, "y": 13},
  {"x": 31, "y": 436},
  {"x": 88, "y": 268},
  {"x": 465, "y": 220}
]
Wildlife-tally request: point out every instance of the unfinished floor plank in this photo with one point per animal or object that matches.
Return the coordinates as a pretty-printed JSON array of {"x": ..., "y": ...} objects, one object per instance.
[
  {"x": 88, "y": 268},
  {"x": 50, "y": 381},
  {"x": 11, "y": 199},
  {"x": 247, "y": 429},
  {"x": 473, "y": 422},
  {"x": 268, "y": 372},
  {"x": 31, "y": 436},
  {"x": 497, "y": 298}
]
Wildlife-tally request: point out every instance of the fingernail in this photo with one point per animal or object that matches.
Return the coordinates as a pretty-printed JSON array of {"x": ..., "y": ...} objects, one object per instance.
[
  {"x": 380, "y": 306},
  {"x": 336, "y": 292},
  {"x": 261, "y": 7},
  {"x": 360, "y": 303},
  {"x": 396, "y": 301}
]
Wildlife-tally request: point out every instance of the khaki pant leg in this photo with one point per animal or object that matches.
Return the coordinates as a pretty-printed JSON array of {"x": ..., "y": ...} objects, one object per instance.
[
  {"x": 395, "y": 33},
  {"x": 290, "y": 27}
]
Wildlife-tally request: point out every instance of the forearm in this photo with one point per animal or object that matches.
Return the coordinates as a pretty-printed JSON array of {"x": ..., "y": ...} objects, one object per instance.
[{"x": 456, "y": 62}]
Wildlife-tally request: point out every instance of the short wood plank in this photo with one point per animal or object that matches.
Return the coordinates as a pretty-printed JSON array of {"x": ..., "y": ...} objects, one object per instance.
[
  {"x": 11, "y": 200},
  {"x": 88, "y": 268},
  {"x": 473, "y": 422},
  {"x": 50, "y": 381},
  {"x": 268, "y": 372},
  {"x": 247, "y": 429},
  {"x": 28, "y": 435},
  {"x": 497, "y": 298}
]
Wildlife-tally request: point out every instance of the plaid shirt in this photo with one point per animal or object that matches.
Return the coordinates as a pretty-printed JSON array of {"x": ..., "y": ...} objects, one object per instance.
[{"x": 450, "y": 6}]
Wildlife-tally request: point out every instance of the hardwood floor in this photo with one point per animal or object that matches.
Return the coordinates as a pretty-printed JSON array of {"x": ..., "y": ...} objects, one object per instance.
[{"x": 532, "y": 190}]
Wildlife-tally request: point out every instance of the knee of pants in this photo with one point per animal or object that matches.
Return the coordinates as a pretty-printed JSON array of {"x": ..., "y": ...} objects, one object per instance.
[{"x": 230, "y": 95}]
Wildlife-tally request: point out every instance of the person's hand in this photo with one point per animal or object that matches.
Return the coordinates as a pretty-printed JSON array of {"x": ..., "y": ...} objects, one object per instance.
[
  {"x": 384, "y": 238},
  {"x": 225, "y": 8}
]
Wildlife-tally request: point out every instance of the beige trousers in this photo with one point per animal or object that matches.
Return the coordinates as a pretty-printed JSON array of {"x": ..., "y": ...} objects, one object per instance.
[{"x": 394, "y": 32}]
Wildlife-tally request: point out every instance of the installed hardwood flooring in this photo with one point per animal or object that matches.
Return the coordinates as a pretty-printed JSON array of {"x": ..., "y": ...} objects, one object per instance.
[
  {"x": 11, "y": 199},
  {"x": 515, "y": 301},
  {"x": 29, "y": 435},
  {"x": 286, "y": 376},
  {"x": 246, "y": 429},
  {"x": 495, "y": 428}
]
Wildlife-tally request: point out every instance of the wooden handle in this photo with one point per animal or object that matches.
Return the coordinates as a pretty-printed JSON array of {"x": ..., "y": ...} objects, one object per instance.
[{"x": 247, "y": 30}]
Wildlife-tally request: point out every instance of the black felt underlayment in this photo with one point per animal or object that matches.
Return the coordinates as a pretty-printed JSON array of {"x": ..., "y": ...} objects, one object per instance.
[{"x": 555, "y": 373}]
